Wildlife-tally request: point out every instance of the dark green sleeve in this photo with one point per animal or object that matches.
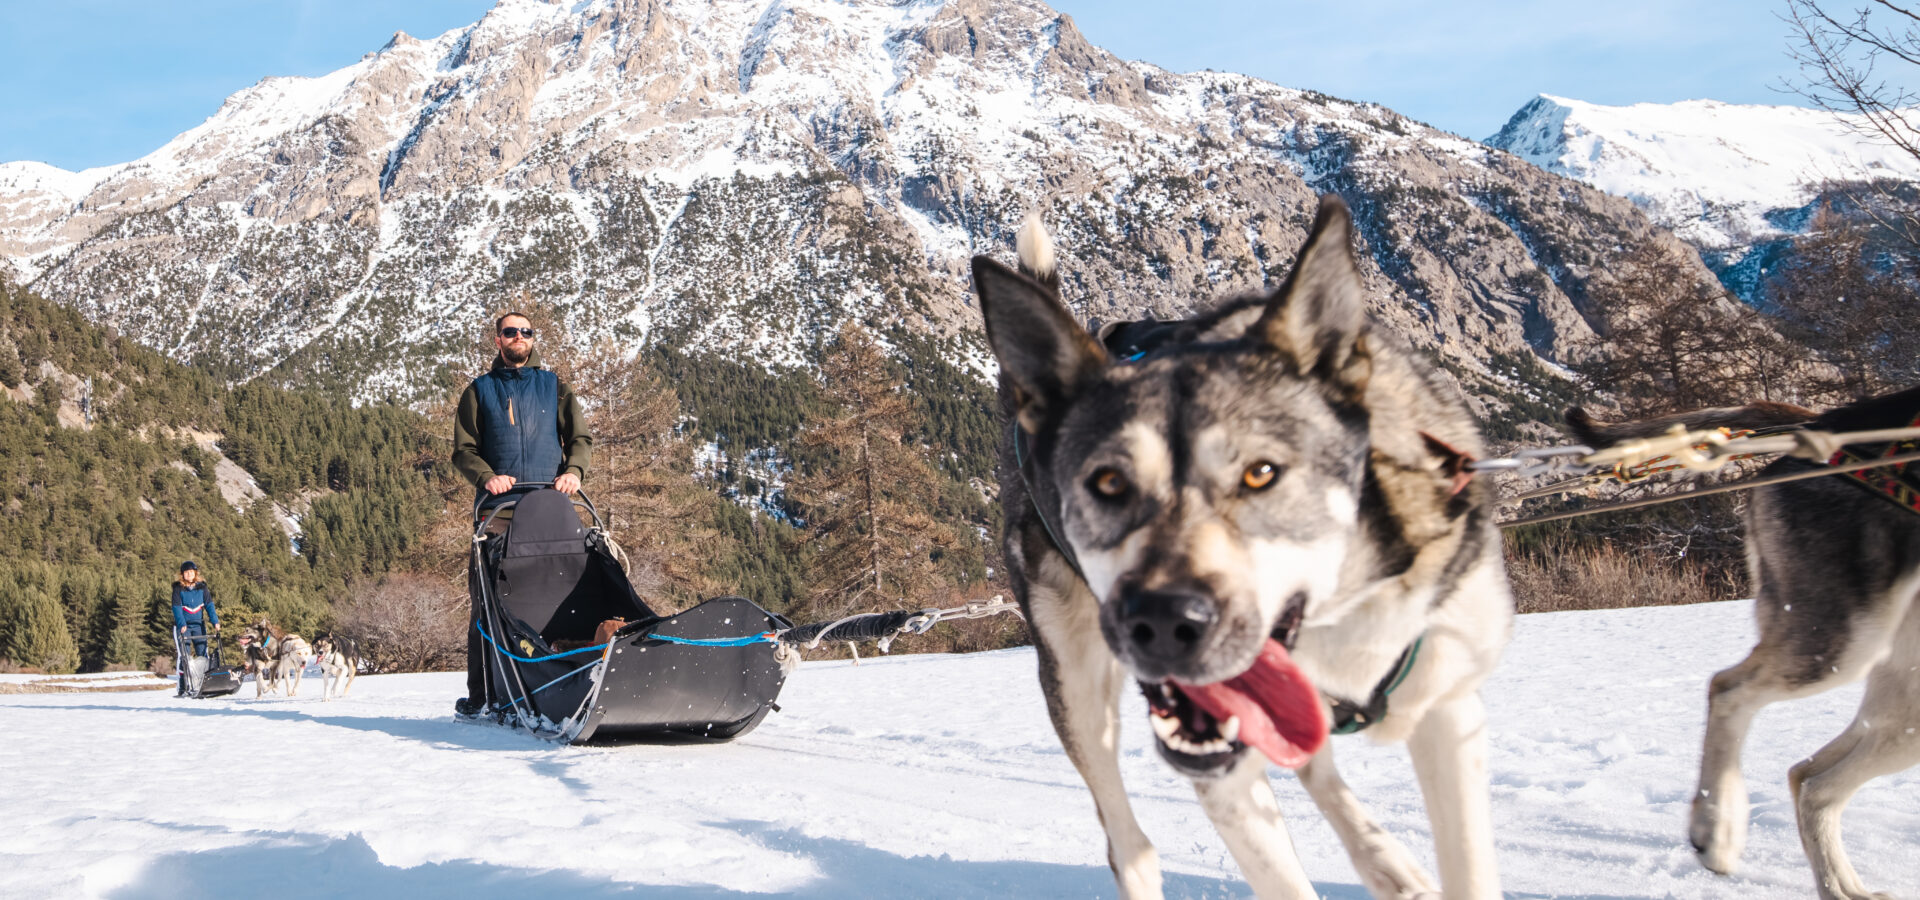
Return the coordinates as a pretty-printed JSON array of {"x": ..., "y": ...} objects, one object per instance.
[
  {"x": 466, "y": 441},
  {"x": 574, "y": 437}
]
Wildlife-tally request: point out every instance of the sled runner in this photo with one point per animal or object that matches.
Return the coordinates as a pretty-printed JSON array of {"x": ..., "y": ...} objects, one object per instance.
[
  {"x": 206, "y": 676},
  {"x": 572, "y": 652}
]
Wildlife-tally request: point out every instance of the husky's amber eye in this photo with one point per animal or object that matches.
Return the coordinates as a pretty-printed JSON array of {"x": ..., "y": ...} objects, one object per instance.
[
  {"x": 1108, "y": 483},
  {"x": 1260, "y": 475}
]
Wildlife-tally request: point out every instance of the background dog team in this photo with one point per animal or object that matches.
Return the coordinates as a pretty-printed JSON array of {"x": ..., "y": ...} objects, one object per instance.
[{"x": 279, "y": 659}]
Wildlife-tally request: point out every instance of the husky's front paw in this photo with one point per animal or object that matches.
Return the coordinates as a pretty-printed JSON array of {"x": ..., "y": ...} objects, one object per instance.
[
  {"x": 1389, "y": 872},
  {"x": 1719, "y": 829},
  {"x": 1137, "y": 874}
]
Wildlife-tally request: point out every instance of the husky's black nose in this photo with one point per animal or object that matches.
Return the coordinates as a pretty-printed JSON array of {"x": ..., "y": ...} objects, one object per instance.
[{"x": 1166, "y": 628}]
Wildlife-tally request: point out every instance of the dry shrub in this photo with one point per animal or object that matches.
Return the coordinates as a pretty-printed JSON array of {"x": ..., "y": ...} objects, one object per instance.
[
  {"x": 163, "y": 665},
  {"x": 9, "y": 667},
  {"x": 406, "y": 622},
  {"x": 1566, "y": 576},
  {"x": 974, "y": 635}
]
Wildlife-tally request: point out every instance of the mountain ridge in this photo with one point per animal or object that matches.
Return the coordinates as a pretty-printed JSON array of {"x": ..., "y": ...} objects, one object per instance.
[{"x": 742, "y": 177}]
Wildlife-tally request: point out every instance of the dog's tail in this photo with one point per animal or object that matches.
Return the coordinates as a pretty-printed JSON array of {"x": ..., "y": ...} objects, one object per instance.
[
  {"x": 1037, "y": 259},
  {"x": 1764, "y": 414}
]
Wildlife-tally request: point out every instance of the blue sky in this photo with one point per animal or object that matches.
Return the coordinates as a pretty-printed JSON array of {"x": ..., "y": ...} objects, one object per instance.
[{"x": 93, "y": 82}]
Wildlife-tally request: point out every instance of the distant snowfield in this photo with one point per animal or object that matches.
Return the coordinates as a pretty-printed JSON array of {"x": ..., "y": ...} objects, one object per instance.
[{"x": 923, "y": 776}]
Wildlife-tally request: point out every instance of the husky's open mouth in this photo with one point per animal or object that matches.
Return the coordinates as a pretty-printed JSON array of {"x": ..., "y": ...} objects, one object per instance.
[{"x": 1271, "y": 706}]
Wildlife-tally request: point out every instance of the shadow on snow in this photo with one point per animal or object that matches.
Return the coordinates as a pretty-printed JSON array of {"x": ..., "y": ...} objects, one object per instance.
[{"x": 318, "y": 865}]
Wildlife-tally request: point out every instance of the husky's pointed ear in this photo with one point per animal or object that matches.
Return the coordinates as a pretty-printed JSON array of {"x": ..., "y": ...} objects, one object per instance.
[
  {"x": 1043, "y": 353},
  {"x": 1319, "y": 316}
]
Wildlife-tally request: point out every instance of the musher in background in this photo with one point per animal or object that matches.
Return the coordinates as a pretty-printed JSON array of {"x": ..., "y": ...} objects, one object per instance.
[
  {"x": 193, "y": 613},
  {"x": 517, "y": 422}
]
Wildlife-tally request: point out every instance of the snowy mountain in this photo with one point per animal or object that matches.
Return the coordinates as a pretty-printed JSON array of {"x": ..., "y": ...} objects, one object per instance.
[
  {"x": 1724, "y": 177},
  {"x": 927, "y": 776},
  {"x": 741, "y": 176}
]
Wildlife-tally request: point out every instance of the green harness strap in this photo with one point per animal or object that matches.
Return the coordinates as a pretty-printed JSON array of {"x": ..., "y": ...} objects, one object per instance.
[{"x": 1351, "y": 717}]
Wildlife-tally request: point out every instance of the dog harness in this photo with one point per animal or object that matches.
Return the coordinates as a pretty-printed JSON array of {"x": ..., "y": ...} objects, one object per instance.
[
  {"x": 1350, "y": 717},
  {"x": 1899, "y": 483}
]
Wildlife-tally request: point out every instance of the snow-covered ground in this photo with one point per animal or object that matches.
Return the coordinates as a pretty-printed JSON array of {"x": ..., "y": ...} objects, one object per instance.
[
  {"x": 925, "y": 776},
  {"x": 91, "y": 681}
]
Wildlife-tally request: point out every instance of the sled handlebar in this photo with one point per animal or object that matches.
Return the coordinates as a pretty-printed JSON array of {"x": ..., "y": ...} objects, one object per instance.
[{"x": 480, "y": 521}]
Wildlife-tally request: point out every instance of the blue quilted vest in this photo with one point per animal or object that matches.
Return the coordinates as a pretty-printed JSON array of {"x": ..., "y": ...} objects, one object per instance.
[{"x": 520, "y": 423}]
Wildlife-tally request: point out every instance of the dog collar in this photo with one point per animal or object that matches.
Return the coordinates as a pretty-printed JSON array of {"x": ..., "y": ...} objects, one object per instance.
[{"x": 1349, "y": 717}]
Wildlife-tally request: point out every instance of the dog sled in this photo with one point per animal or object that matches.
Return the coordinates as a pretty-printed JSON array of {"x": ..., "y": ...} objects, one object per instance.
[
  {"x": 197, "y": 659},
  {"x": 572, "y": 653}
]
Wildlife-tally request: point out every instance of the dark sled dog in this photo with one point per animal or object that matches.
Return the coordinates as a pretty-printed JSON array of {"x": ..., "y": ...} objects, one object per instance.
[
  {"x": 1835, "y": 570},
  {"x": 1255, "y": 514}
]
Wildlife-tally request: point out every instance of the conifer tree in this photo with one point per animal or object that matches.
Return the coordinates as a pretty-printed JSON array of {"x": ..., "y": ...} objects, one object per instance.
[
  {"x": 126, "y": 643},
  {"x": 11, "y": 371},
  {"x": 866, "y": 493},
  {"x": 1847, "y": 292},
  {"x": 39, "y": 635},
  {"x": 1673, "y": 340},
  {"x": 641, "y": 476}
]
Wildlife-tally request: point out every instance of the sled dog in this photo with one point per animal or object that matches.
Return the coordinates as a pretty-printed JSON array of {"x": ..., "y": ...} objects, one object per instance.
[
  {"x": 339, "y": 659},
  {"x": 257, "y": 649},
  {"x": 1262, "y": 516},
  {"x": 274, "y": 657},
  {"x": 1835, "y": 569}
]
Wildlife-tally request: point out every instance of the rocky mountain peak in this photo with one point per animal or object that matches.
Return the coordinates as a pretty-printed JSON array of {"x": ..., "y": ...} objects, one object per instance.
[{"x": 742, "y": 176}]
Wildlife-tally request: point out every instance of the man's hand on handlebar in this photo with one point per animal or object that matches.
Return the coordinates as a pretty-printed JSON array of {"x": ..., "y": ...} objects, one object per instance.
[
  {"x": 567, "y": 484},
  {"x": 500, "y": 484}
]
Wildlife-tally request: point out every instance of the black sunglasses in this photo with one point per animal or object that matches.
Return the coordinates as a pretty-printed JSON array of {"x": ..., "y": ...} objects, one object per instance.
[{"x": 512, "y": 332}]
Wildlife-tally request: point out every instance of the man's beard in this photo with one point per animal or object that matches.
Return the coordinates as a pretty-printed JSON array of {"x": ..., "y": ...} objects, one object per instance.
[{"x": 516, "y": 357}]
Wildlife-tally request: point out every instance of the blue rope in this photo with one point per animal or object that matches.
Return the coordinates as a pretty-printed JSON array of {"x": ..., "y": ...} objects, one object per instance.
[
  {"x": 509, "y": 654},
  {"x": 762, "y": 638},
  {"x": 765, "y": 637},
  {"x": 554, "y": 682}
]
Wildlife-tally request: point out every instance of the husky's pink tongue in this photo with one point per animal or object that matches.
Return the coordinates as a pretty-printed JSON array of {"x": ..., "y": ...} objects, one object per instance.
[{"x": 1279, "y": 711}]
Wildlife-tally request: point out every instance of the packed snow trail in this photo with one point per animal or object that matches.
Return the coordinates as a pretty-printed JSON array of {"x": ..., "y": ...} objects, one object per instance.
[{"x": 921, "y": 776}]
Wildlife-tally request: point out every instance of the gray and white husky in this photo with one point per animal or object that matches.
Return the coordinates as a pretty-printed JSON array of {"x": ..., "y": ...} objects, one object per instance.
[
  {"x": 1260, "y": 515},
  {"x": 276, "y": 658},
  {"x": 339, "y": 659},
  {"x": 1836, "y": 570}
]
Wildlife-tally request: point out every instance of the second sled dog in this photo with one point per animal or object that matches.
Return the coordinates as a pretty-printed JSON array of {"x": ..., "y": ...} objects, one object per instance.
[
  {"x": 1835, "y": 572},
  {"x": 339, "y": 660},
  {"x": 275, "y": 658},
  {"x": 1261, "y": 516}
]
